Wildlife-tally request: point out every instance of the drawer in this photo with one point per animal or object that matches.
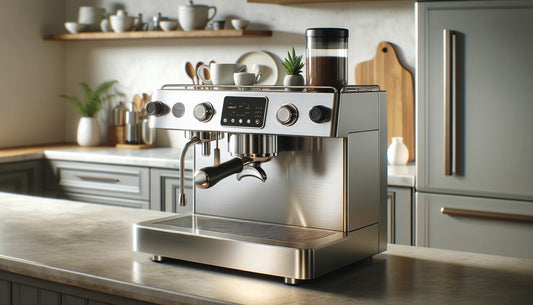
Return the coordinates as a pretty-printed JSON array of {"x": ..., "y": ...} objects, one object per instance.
[
  {"x": 129, "y": 182},
  {"x": 490, "y": 226}
]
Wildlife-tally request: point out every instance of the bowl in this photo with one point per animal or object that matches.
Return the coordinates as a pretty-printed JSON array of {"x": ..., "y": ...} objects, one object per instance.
[
  {"x": 168, "y": 25},
  {"x": 239, "y": 24},
  {"x": 121, "y": 23},
  {"x": 74, "y": 27}
]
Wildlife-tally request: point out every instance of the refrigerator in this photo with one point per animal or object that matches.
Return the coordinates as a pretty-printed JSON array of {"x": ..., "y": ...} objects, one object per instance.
[{"x": 474, "y": 126}]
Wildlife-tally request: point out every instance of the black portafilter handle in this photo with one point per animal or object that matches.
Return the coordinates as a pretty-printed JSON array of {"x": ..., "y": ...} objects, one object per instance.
[{"x": 209, "y": 176}]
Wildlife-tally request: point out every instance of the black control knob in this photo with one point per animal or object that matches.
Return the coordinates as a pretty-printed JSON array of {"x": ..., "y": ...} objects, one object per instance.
[
  {"x": 203, "y": 112},
  {"x": 287, "y": 114},
  {"x": 155, "y": 108},
  {"x": 320, "y": 114}
]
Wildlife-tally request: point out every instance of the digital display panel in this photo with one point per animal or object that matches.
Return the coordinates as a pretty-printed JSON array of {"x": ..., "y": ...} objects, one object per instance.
[{"x": 244, "y": 111}]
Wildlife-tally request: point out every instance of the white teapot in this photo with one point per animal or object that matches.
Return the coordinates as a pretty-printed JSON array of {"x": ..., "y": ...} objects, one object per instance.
[{"x": 195, "y": 17}]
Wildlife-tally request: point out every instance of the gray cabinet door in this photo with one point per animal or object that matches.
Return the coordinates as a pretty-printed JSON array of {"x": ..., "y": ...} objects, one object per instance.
[
  {"x": 400, "y": 211},
  {"x": 475, "y": 224},
  {"x": 164, "y": 191},
  {"x": 21, "y": 177},
  {"x": 493, "y": 120}
]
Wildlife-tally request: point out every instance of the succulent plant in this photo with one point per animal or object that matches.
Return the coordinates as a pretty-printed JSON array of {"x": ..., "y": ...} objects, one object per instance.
[
  {"x": 92, "y": 100},
  {"x": 293, "y": 64}
]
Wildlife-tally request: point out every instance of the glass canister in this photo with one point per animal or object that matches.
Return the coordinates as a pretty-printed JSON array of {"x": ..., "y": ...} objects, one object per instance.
[{"x": 327, "y": 57}]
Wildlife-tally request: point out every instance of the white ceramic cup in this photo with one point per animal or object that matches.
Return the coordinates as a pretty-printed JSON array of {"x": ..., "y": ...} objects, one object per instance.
[
  {"x": 221, "y": 74},
  {"x": 195, "y": 17},
  {"x": 246, "y": 78},
  {"x": 90, "y": 17}
]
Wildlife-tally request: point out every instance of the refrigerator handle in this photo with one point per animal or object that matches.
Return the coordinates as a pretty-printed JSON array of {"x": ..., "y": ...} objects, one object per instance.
[{"x": 450, "y": 102}]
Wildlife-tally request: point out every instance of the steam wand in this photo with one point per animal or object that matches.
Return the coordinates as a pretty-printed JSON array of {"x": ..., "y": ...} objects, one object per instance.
[{"x": 182, "y": 200}]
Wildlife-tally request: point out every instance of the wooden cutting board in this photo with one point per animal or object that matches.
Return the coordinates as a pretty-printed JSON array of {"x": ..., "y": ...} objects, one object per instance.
[{"x": 388, "y": 72}]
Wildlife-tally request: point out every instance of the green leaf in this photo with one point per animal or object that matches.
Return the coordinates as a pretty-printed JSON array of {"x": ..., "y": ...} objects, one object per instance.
[{"x": 92, "y": 99}]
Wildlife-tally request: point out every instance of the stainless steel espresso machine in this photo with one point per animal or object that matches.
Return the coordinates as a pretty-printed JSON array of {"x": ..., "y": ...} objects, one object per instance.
[{"x": 287, "y": 183}]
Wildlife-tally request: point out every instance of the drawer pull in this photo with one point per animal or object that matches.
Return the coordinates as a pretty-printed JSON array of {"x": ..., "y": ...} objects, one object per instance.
[
  {"x": 489, "y": 215},
  {"x": 98, "y": 179}
]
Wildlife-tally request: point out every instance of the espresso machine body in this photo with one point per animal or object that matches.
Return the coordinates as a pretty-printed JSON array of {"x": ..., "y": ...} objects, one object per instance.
[{"x": 311, "y": 197}]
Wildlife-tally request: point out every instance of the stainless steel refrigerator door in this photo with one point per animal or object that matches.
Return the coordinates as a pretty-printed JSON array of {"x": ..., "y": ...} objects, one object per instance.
[{"x": 474, "y": 102}]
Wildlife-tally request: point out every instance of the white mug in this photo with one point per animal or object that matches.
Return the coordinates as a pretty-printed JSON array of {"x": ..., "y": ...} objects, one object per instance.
[
  {"x": 246, "y": 78},
  {"x": 221, "y": 74}
]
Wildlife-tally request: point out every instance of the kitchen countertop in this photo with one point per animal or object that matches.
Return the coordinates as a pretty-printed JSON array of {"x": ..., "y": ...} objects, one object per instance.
[
  {"x": 164, "y": 157},
  {"x": 90, "y": 246}
]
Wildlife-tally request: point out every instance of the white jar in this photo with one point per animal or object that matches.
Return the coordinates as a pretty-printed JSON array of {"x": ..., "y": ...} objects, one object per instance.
[{"x": 397, "y": 153}]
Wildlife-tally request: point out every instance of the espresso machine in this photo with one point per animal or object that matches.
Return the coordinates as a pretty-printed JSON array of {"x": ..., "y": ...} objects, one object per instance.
[{"x": 289, "y": 182}]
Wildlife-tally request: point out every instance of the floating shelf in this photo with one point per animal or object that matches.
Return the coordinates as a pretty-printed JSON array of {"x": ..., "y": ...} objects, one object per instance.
[{"x": 160, "y": 35}]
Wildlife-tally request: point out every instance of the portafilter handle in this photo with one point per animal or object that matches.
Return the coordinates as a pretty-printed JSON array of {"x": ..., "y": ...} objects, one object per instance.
[{"x": 209, "y": 176}]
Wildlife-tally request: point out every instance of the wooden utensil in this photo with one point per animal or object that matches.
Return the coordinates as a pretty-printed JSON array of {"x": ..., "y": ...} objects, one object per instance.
[
  {"x": 386, "y": 71},
  {"x": 137, "y": 102},
  {"x": 191, "y": 72}
]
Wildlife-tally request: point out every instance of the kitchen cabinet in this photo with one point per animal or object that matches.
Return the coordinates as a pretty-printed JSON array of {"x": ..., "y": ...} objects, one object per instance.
[
  {"x": 98, "y": 182},
  {"x": 400, "y": 215},
  {"x": 164, "y": 190},
  {"x": 22, "y": 290},
  {"x": 24, "y": 177},
  {"x": 474, "y": 73},
  {"x": 161, "y": 35},
  {"x": 474, "y": 224}
]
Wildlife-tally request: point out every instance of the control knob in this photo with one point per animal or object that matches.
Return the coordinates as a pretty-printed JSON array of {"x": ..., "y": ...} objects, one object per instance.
[
  {"x": 155, "y": 108},
  {"x": 287, "y": 114},
  {"x": 319, "y": 114},
  {"x": 203, "y": 112}
]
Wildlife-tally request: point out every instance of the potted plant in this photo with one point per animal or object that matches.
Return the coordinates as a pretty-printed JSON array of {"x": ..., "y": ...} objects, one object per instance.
[
  {"x": 93, "y": 100},
  {"x": 293, "y": 66}
]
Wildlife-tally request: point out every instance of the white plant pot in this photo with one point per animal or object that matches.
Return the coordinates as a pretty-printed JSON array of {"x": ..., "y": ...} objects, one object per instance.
[
  {"x": 397, "y": 153},
  {"x": 88, "y": 132},
  {"x": 293, "y": 80}
]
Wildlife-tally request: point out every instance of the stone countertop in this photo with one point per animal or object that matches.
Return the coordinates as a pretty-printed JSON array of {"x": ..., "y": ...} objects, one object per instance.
[
  {"x": 164, "y": 157},
  {"x": 401, "y": 175},
  {"x": 90, "y": 246}
]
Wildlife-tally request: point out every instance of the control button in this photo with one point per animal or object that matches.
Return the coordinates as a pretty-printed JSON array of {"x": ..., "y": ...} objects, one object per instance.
[
  {"x": 203, "y": 112},
  {"x": 178, "y": 110},
  {"x": 155, "y": 108},
  {"x": 320, "y": 114},
  {"x": 287, "y": 114}
]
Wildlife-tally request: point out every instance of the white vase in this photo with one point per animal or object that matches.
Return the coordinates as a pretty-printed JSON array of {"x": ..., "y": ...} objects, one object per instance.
[
  {"x": 88, "y": 132},
  {"x": 397, "y": 153}
]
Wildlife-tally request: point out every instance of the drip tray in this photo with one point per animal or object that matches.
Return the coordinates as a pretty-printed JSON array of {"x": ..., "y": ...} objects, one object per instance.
[
  {"x": 280, "y": 250},
  {"x": 248, "y": 230}
]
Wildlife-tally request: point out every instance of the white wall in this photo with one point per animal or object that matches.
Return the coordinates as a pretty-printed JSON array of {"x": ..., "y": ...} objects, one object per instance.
[
  {"x": 143, "y": 65},
  {"x": 31, "y": 73}
]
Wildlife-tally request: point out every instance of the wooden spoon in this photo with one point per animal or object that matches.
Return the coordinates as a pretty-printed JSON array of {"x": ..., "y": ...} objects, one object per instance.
[
  {"x": 189, "y": 68},
  {"x": 137, "y": 102}
]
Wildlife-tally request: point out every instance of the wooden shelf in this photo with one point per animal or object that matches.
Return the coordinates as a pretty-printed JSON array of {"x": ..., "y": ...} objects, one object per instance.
[{"x": 160, "y": 35}]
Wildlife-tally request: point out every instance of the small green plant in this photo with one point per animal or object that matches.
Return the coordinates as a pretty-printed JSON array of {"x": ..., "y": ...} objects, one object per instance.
[
  {"x": 293, "y": 64},
  {"x": 92, "y": 100}
]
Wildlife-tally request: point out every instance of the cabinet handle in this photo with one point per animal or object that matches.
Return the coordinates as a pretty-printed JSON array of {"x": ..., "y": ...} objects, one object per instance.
[
  {"x": 98, "y": 179},
  {"x": 488, "y": 215},
  {"x": 450, "y": 101}
]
